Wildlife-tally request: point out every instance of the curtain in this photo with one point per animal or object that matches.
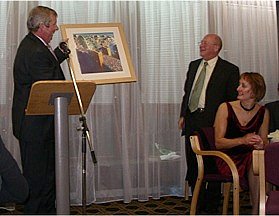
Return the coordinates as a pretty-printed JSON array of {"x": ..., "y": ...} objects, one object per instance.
[
  {"x": 249, "y": 31},
  {"x": 12, "y": 30},
  {"x": 134, "y": 125}
]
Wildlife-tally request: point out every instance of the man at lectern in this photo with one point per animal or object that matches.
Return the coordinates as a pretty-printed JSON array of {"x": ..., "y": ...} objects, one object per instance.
[{"x": 34, "y": 61}]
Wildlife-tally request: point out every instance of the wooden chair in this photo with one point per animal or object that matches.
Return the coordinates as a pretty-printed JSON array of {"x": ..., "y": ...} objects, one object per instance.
[
  {"x": 186, "y": 190},
  {"x": 266, "y": 165},
  {"x": 203, "y": 149}
]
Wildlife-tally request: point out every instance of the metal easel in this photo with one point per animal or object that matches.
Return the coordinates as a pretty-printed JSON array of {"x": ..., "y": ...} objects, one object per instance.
[{"x": 85, "y": 137}]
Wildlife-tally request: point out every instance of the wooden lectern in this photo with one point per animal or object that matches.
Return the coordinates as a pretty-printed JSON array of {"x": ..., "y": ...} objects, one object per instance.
[{"x": 59, "y": 98}]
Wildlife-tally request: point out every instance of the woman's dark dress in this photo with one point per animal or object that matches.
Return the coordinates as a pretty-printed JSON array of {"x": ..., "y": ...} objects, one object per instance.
[{"x": 242, "y": 154}]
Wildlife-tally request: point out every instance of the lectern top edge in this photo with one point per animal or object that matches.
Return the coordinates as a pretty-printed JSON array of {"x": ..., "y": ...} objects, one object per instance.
[{"x": 42, "y": 91}]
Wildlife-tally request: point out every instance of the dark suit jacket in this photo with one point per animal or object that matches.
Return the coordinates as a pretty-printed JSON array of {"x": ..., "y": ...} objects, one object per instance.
[
  {"x": 273, "y": 108},
  {"x": 33, "y": 62},
  {"x": 221, "y": 87},
  {"x": 15, "y": 188}
]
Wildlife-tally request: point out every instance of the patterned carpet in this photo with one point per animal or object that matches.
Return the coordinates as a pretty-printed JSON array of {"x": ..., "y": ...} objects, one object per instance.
[{"x": 163, "y": 206}]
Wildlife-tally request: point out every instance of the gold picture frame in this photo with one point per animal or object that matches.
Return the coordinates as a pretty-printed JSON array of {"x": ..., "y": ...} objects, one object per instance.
[{"x": 99, "y": 52}]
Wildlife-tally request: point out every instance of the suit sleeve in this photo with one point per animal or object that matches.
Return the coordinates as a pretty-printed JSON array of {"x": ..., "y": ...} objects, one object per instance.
[
  {"x": 42, "y": 67},
  {"x": 185, "y": 99},
  {"x": 233, "y": 83},
  {"x": 61, "y": 56}
]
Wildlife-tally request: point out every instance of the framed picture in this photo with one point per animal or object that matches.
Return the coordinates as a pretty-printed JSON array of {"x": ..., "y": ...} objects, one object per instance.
[{"x": 99, "y": 52}]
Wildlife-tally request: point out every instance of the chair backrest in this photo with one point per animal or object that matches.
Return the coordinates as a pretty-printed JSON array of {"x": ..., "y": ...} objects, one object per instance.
[
  {"x": 207, "y": 138},
  {"x": 207, "y": 142},
  {"x": 271, "y": 155}
]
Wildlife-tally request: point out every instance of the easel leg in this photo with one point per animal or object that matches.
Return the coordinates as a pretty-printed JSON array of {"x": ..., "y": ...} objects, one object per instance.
[{"x": 84, "y": 172}]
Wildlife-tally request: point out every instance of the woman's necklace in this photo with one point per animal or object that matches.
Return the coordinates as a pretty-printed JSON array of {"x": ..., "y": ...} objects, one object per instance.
[{"x": 246, "y": 109}]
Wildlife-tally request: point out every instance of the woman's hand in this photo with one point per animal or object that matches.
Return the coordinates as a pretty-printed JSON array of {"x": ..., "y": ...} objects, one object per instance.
[
  {"x": 253, "y": 139},
  {"x": 259, "y": 144}
]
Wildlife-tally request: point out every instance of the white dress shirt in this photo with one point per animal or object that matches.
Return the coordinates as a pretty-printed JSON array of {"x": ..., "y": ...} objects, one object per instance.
[{"x": 209, "y": 70}]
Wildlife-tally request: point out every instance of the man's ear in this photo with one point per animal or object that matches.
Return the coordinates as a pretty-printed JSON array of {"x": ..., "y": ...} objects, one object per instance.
[
  {"x": 216, "y": 48},
  {"x": 43, "y": 25}
]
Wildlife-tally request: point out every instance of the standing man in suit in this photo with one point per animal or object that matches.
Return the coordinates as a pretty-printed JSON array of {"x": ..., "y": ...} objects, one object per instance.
[
  {"x": 34, "y": 61},
  {"x": 219, "y": 84}
]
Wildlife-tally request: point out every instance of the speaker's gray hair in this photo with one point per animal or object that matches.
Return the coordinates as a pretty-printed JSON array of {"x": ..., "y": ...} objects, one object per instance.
[{"x": 39, "y": 15}]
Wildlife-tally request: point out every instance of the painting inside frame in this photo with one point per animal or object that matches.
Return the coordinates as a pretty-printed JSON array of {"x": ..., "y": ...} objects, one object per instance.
[{"x": 99, "y": 52}]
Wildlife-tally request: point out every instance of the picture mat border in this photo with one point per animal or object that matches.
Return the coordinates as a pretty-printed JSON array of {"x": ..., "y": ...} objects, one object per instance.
[{"x": 128, "y": 73}]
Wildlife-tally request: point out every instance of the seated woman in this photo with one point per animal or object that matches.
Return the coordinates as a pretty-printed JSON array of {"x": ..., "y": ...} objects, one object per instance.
[
  {"x": 13, "y": 185},
  {"x": 240, "y": 127}
]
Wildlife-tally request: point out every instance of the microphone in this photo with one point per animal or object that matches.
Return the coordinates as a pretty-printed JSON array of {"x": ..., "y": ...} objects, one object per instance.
[{"x": 64, "y": 47}]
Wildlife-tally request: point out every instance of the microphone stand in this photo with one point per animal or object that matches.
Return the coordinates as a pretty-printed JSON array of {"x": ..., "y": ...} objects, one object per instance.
[{"x": 85, "y": 137}]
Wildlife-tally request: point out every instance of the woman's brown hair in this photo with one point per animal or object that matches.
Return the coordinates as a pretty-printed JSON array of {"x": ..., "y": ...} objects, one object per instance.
[{"x": 257, "y": 83}]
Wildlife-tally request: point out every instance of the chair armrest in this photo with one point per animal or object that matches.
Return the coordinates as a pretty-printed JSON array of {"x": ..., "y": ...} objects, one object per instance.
[
  {"x": 259, "y": 169},
  {"x": 199, "y": 153},
  {"x": 257, "y": 154},
  {"x": 222, "y": 155}
]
